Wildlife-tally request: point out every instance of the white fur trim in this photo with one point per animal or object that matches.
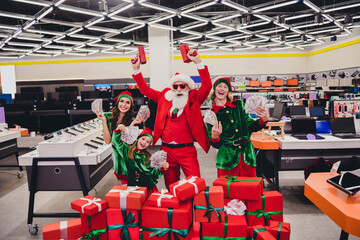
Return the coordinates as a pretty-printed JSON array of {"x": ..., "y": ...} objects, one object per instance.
[{"x": 183, "y": 78}]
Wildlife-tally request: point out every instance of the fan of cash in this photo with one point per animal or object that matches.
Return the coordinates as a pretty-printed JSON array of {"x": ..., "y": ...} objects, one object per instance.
[
  {"x": 157, "y": 159},
  {"x": 210, "y": 117},
  {"x": 144, "y": 112},
  {"x": 130, "y": 135},
  {"x": 96, "y": 105},
  {"x": 253, "y": 102}
]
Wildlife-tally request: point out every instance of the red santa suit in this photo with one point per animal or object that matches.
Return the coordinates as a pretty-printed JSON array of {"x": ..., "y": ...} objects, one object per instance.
[{"x": 183, "y": 130}]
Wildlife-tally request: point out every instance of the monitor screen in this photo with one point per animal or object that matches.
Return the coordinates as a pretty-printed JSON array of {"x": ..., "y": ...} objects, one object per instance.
[
  {"x": 342, "y": 125},
  {"x": 31, "y": 90},
  {"x": 102, "y": 87},
  {"x": 303, "y": 126},
  {"x": 316, "y": 112},
  {"x": 297, "y": 110}
]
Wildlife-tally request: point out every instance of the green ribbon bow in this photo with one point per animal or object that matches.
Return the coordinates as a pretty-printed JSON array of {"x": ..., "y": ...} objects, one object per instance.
[
  {"x": 231, "y": 179},
  {"x": 93, "y": 233},
  {"x": 209, "y": 208},
  {"x": 129, "y": 222},
  {"x": 261, "y": 212},
  {"x": 177, "y": 233},
  {"x": 226, "y": 224},
  {"x": 256, "y": 231}
]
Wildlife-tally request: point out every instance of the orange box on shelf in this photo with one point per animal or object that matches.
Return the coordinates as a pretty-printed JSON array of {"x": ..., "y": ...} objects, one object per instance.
[
  {"x": 278, "y": 90},
  {"x": 254, "y": 83},
  {"x": 279, "y": 82},
  {"x": 292, "y": 82},
  {"x": 266, "y": 83},
  {"x": 263, "y": 90},
  {"x": 292, "y": 89},
  {"x": 23, "y": 131}
]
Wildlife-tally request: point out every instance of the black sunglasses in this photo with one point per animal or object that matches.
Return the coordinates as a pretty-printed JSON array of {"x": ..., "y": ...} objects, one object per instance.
[{"x": 182, "y": 86}]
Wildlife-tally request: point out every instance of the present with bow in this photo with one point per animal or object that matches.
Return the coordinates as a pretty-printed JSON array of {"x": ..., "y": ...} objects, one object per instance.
[
  {"x": 89, "y": 205},
  {"x": 163, "y": 199},
  {"x": 170, "y": 223},
  {"x": 260, "y": 232},
  {"x": 245, "y": 188},
  {"x": 232, "y": 228},
  {"x": 280, "y": 230},
  {"x": 126, "y": 197},
  {"x": 209, "y": 205},
  {"x": 123, "y": 224},
  {"x": 63, "y": 230},
  {"x": 268, "y": 206},
  {"x": 94, "y": 227},
  {"x": 187, "y": 187}
]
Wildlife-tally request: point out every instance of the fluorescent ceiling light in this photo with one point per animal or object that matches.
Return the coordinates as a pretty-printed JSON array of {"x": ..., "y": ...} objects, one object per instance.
[
  {"x": 191, "y": 32},
  {"x": 128, "y": 20},
  {"x": 323, "y": 31},
  {"x": 244, "y": 48},
  {"x": 94, "y": 22},
  {"x": 281, "y": 48},
  {"x": 101, "y": 29},
  {"x": 194, "y": 26},
  {"x": 8, "y": 57},
  {"x": 134, "y": 28},
  {"x": 8, "y": 27},
  {"x": 158, "y": 7},
  {"x": 59, "y": 2},
  {"x": 15, "y": 49},
  {"x": 263, "y": 17},
  {"x": 296, "y": 30},
  {"x": 55, "y": 47},
  {"x": 226, "y": 18},
  {"x": 68, "y": 42},
  {"x": 39, "y": 55},
  {"x": 14, "y": 15},
  {"x": 162, "y": 19},
  {"x": 190, "y": 38},
  {"x": 22, "y": 44},
  {"x": 235, "y": 5},
  {"x": 192, "y": 9},
  {"x": 49, "y": 10},
  {"x": 17, "y": 33},
  {"x": 224, "y": 26},
  {"x": 311, "y": 5},
  {"x": 226, "y": 49},
  {"x": 74, "y": 31},
  {"x": 82, "y": 36},
  {"x": 275, "y": 6},
  {"x": 80, "y": 10},
  {"x": 269, "y": 45},
  {"x": 44, "y": 32},
  {"x": 49, "y": 52},
  {"x": 38, "y": 3},
  {"x": 94, "y": 41},
  {"x": 255, "y": 25},
  {"x": 33, "y": 39},
  {"x": 161, "y": 26},
  {"x": 342, "y": 7},
  {"x": 116, "y": 40},
  {"x": 194, "y": 17},
  {"x": 120, "y": 9},
  {"x": 274, "y": 31},
  {"x": 298, "y": 16},
  {"x": 75, "y": 54}
]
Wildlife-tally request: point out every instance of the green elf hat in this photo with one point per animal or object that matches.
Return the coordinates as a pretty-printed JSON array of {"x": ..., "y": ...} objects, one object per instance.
[
  {"x": 223, "y": 80},
  {"x": 146, "y": 132},
  {"x": 126, "y": 94}
]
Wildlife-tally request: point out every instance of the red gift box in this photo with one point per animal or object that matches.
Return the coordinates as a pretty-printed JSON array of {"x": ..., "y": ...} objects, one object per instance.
[
  {"x": 126, "y": 197},
  {"x": 280, "y": 230},
  {"x": 168, "y": 221},
  {"x": 260, "y": 232},
  {"x": 163, "y": 199},
  {"x": 188, "y": 187},
  {"x": 97, "y": 222},
  {"x": 63, "y": 229},
  {"x": 123, "y": 221},
  {"x": 232, "y": 227},
  {"x": 246, "y": 188},
  {"x": 209, "y": 205},
  {"x": 89, "y": 205},
  {"x": 268, "y": 206}
]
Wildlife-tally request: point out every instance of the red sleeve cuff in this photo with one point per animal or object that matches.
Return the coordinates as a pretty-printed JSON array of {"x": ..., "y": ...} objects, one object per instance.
[
  {"x": 215, "y": 140},
  {"x": 117, "y": 131},
  {"x": 261, "y": 122}
]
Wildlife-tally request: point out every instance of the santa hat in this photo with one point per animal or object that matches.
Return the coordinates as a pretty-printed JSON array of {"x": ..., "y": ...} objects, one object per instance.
[
  {"x": 183, "y": 78},
  {"x": 126, "y": 94},
  {"x": 223, "y": 80},
  {"x": 146, "y": 132}
]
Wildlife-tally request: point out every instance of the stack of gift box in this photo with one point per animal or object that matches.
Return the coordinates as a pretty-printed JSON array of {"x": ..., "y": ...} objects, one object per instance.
[{"x": 190, "y": 211}]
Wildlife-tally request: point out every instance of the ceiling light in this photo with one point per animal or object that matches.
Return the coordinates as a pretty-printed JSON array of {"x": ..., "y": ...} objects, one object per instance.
[
  {"x": 22, "y": 44},
  {"x": 192, "y": 9},
  {"x": 94, "y": 22},
  {"x": 333, "y": 38},
  {"x": 38, "y": 3},
  {"x": 342, "y": 7},
  {"x": 194, "y": 26},
  {"x": 162, "y": 19},
  {"x": 158, "y": 7},
  {"x": 80, "y": 10},
  {"x": 298, "y": 16},
  {"x": 280, "y": 48},
  {"x": 120, "y": 10},
  {"x": 74, "y": 31},
  {"x": 12, "y": 15},
  {"x": 29, "y": 24},
  {"x": 275, "y": 6},
  {"x": 235, "y": 5},
  {"x": 312, "y": 6},
  {"x": 263, "y": 17},
  {"x": 194, "y": 17},
  {"x": 44, "y": 13},
  {"x": 134, "y": 28},
  {"x": 17, "y": 33},
  {"x": 165, "y": 27},
  {"x": 128, "y": 20},
  {"x": 226, "y": 18},
  {"x": 191, "y": 32}
]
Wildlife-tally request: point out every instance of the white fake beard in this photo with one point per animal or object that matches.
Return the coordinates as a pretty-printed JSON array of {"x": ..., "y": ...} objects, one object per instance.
[{"x": 177, "y": 101}]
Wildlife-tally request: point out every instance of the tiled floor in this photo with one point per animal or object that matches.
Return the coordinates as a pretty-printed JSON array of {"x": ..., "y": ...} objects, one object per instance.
[{"x": 307, "y": 221}]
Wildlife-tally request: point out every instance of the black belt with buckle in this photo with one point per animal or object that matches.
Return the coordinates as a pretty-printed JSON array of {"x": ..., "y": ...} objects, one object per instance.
[
  {"x": 169, "y": 145},
  {"x": 240, "y": 142}
]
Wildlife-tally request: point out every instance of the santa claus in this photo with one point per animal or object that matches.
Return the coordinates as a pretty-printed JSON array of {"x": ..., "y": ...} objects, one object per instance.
[{"x": 179, "y": 122}]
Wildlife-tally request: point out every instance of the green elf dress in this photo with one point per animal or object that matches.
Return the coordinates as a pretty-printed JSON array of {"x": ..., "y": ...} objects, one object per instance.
[
  {"x": 237, "y": 127},
  {"x": 138, "y": 173}
]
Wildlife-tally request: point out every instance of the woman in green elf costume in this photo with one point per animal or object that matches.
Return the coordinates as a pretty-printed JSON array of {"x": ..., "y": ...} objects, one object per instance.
[
  {"x": 231, "y": 134},
  {"x": 122, "y": 114}
]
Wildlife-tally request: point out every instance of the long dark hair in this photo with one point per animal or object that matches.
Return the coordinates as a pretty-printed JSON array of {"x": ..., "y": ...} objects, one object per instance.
[
  {"x": 132, "y": 149},
  {"x": 126, "y": 120}
]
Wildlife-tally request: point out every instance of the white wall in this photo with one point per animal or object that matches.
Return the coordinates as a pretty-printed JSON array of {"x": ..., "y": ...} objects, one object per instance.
[{"x": 245, "y": 63}]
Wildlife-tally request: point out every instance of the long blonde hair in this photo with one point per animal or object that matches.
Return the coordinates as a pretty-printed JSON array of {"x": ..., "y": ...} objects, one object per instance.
[
  {"x": 229, "y": 97},
  {"x": 132, "y": 150}
]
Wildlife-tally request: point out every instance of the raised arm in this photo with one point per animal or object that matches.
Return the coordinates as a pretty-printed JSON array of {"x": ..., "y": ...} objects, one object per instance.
[
  {"x": 206, "y": 83},
  {"x": 140, "y": 81}
]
